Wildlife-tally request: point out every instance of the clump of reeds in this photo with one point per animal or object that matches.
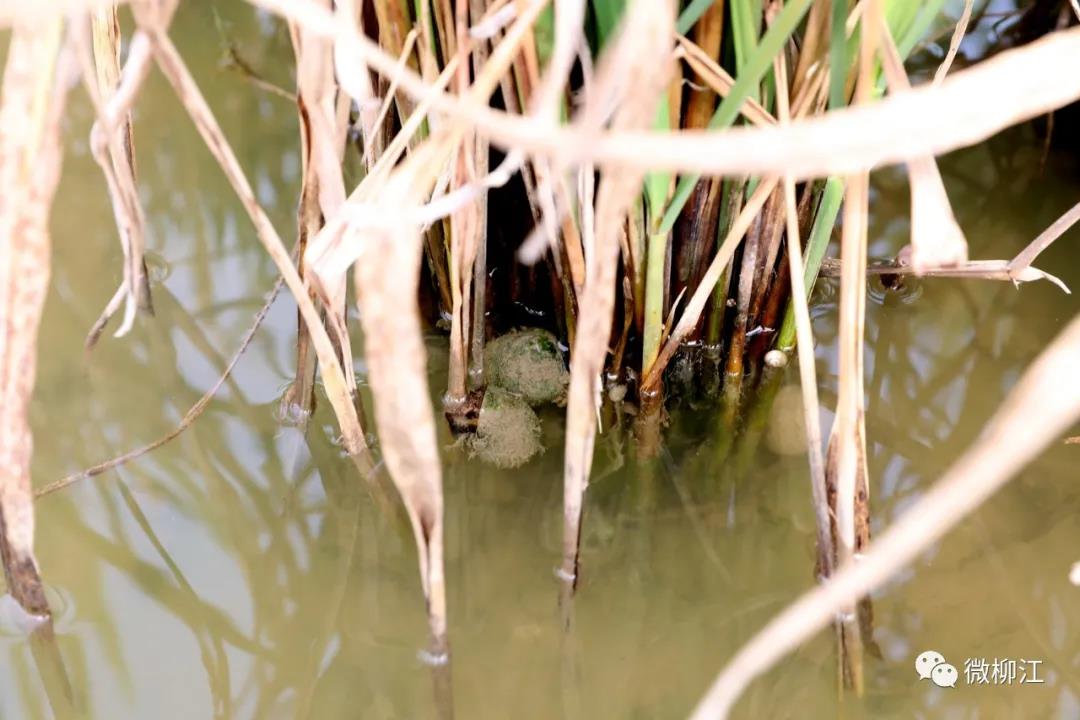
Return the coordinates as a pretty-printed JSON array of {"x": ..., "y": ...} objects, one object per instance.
[{"x": 656, "y": 233}]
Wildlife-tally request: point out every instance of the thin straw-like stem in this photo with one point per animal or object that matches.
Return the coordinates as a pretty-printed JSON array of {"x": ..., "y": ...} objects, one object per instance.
[
  {"x": 805, "y": 350},
  {"x": 1058, "y": 228},
  {"x": 187, "y": 90},
  {"x": 954, "y": 43}
]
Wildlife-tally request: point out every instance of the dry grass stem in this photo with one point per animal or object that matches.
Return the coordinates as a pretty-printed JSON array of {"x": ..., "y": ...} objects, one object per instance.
[
  {"x": 1041, "y": 406},
  {"x": 718, "y": 79},
  {"x": 845, "y": 470},
  {"x": 970, "y": 270},
  {"x": 805, "y": 348},
  {"x": 1058, "y": 228},
  {"x": 113, "y": 149},
  {"x": 35, "y": 83},
  {"x": 631, "y": 75},
  {"x": 954, "y": 43},
  {"x": 936, "y": 237}
]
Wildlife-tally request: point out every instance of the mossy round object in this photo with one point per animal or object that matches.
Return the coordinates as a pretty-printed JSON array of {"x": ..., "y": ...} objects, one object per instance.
[
  {"x": 528, "y": 364},
  {"x": 508, "y": 431}
]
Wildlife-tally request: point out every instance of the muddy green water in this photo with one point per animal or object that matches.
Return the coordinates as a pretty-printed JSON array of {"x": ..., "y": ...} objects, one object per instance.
[{"x": 243, "y": 572}]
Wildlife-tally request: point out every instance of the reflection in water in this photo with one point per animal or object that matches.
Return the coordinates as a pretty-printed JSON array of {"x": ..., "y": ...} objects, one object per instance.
[{"x": 243, "y": 571}]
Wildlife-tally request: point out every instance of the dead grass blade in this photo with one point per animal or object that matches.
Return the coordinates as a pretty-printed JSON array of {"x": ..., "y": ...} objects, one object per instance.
[
  {"x": 845, "y": 466},
  {"x": 936, "y": 237},
  {"x": 1041, "y": 406},
  {"x": 35, "y": 84},
  {"x": 1022, "y": 262},
  {"x": 631, "y": 76},
  {"x": 387, "y": 277},
  {"x": 954, "y": 43},
  {"x": 113, "y": 149},
  {"x": 172, "y": 66}
]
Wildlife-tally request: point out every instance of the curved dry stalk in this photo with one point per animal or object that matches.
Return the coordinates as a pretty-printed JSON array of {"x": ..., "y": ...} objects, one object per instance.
[
  {"x": 1041, "y": 406},
  {"x": 172, "y": 66},
  {"x": 113, "y": 150},
  {"x": 189, "y": 418},
  {"x": 954, "y": 43},
  {"x": 1057, "y": 228},
  {"x": 35, "y": 83},
  {"x": 967, "y": 107},
  {"x": 112, "y": 94},
  {"x": 936, "y": 237}
]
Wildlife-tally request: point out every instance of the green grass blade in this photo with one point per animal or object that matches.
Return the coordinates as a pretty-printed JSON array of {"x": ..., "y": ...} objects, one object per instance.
[
  {"x": 692, "y": 14},
  {"x": 838, "y": 55},
  {"x": 608, "y": 14},
  {"x": 771, "y": 43}
]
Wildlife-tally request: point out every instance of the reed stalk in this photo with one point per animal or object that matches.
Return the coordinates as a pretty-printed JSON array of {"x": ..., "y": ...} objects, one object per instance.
[{"x": 35, "y": 83}]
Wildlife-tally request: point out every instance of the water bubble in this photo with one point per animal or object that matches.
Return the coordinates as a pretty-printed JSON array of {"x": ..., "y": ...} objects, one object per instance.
[
  {"x": 158, "y": 268},
  {"x": 565, "y": 576},
  {"x": 16, "y": 622},
  {"x": 433, "y": 659}
]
